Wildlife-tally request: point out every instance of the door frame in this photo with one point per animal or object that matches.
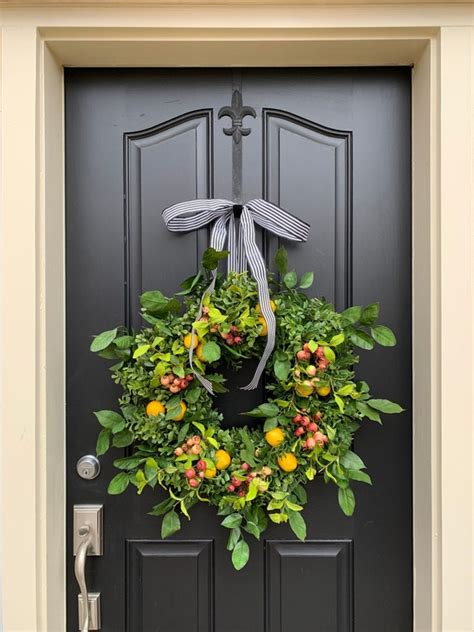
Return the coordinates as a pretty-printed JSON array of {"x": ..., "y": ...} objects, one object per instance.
[{"x": 36, "y": 45}]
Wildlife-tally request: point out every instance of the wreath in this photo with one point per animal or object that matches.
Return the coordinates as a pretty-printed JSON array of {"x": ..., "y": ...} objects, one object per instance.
[{"x": 169, "y": 419}]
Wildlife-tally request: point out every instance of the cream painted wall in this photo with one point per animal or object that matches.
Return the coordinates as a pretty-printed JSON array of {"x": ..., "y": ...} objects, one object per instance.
[{"x": 35, "y": 43}]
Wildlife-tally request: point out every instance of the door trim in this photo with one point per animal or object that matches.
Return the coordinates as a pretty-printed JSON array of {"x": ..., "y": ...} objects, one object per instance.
[{"x": 35, "y": 46}]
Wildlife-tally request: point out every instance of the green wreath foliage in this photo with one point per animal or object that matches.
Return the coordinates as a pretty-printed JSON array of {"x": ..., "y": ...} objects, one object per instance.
[{"x": 314, "y": 406}]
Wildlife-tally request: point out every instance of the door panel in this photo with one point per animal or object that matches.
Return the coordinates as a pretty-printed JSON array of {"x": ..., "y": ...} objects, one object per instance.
[{"x": 333, "y": 147}]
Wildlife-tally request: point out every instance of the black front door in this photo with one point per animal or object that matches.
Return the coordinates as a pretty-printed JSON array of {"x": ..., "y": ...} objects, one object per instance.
[{"x": 333, "y": 147}]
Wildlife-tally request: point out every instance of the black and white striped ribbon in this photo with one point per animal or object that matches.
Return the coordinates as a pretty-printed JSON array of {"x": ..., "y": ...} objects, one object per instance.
[{"x": 243, "y": 250}]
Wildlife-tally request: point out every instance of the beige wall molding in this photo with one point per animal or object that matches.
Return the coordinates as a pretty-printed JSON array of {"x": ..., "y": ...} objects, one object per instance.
[{"x": 36, "y": 43}]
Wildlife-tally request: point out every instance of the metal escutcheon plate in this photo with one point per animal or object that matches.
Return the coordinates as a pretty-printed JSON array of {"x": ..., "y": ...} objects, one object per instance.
[{"x": 88, "y": 467}]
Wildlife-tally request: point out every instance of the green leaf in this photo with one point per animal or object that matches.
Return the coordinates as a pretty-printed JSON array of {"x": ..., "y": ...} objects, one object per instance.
[
  {"x": 211, "y": 258},
  {"x": 345, "y": 390},
  {"x": 102, "y": 341},
  {"x": 119, "y": 483},
  {"x": 140, "y": 351},
  {"x": 362, "y": 340},
  {"x": 270, "y": 423},
  {"x": 211, "y": 351},
  {"x": 340, "y": 402},
  {"x": 352, "y": 461},
  {"x": 312, "y": 345},
  {"x": 337, "y": 340},
  {"x": 306, "y": 280},
  {"x": 329, "y": 354},
  {"x": 369, "y": 314},
  {"x": 346, "y": 500},
  {"x": 128, "y": 462},
  {"x": 151, "y": 468},
  {"x": 111, "y": 420},
  {"x": 357, "y": 475},
  {"x": 189, "y": 284},
  {"x": 282, "y": 369},
  {"x": 232, "y": 521},
  {"x": 385, "y": 406},
  {"x": 234, "y": 537},
  {"x": 103, "y": 442},
  {"x": 276, "y": 517},
  {"x": 352, "y": 314},
  {"x": 123, "y": 439},
  {"x": 310, "y": 473},
  {"x": 298, "y": 525},
  {"x": 264, "y": 410},
  {"x": 301, "y": 494},
  {"x": 156, "y": 303},
  {"x": 290, "y": 279},
  {"x": 240, "y": 555},
  {"x": 124, "y": 342},
  {"x": 269, "y": 410},
  {"x": 252, "y": 492},
  {"x": 162, "y": 508},
  {"x": 281, "y": 260},
  {"x": 383, "y": 335},
  {"x": 368, "y": 412},
  {"x": 253, "y": 529},
  {"x": 171, "y": 524}
]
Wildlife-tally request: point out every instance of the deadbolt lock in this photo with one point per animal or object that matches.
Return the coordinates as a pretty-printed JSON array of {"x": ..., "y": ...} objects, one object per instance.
[{"x": 88, "y": 467}]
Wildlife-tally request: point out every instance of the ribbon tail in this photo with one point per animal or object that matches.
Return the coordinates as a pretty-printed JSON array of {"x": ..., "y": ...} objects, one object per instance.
[{"x": 258, "y": 269}]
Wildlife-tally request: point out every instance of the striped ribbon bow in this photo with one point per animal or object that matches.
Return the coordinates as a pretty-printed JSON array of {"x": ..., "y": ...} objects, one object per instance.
[{"x": 243, "y": 250}]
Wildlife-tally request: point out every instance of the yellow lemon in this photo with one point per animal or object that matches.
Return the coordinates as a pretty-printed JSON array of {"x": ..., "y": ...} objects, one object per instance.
[
  {"x": 305, "y": 389},
  {"x": 288, "y": 462},
  {"x": 323, "y": 391},
  {"x": 222, "y": 459},
  {"x": 154, "y": 408},
  {"x": 264, "y": 329},
  {"x": 191, "y": 339},
  {"x": 210, "y": 472},
  {"x": 272, "y": 305},
  {"x": 274, "y": 437},
  {"x": 181, "y": 414},
  {"x": 199, "y": 353}
]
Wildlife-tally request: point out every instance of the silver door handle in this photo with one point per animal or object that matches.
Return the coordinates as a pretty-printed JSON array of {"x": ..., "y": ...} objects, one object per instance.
[
  {"x": 80, "y": 572},
  {"x": 87, "y": 542}
]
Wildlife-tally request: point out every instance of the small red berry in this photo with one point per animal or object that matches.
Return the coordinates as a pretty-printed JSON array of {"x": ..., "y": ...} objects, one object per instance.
[
  {"x": 165, "y": 380},
  {"x": 310, "y": 443},
  {"x": 230, "y": 340},
  {"x": 241, "y": 493},
  {"x": 202, "y": 474},
  {"x": 194, "y": 482},
  {"x": 311, "y": 370},
  {"x": 312, "y": 427},
  {"x": 237, "y": 340},
  {"x": 305, "y": 421},
  {"x": 190, "y": 473},
  {"x": 201, "y": 465},
  {"x": 230, "y": 488},
  {"x": 245, "y": 467},
  {"x": 301, "y": 355},
  {"x": 317, "y": 416},
  {"x": 299, "y": 431},
  {"x": 190, "y": 377}
]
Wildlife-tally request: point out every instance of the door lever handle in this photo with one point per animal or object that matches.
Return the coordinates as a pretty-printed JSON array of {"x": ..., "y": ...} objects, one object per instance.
[{"x": 80, "y": 572}]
